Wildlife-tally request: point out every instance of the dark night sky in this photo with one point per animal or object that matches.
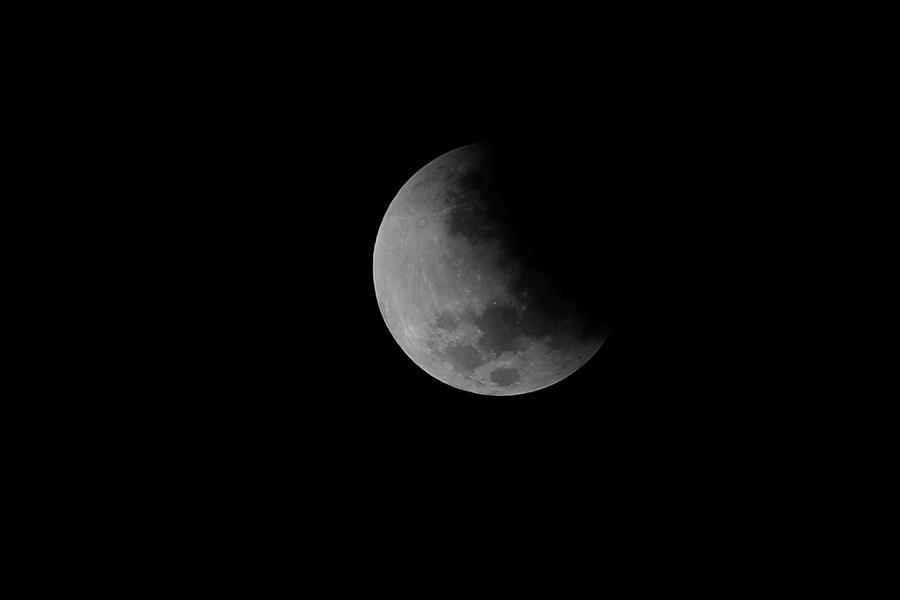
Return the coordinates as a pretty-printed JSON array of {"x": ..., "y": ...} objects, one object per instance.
[
  {"x": 287, "y": 180},
  {"x": 286, "y": 270},
  {"x": 250, "y": 168}
]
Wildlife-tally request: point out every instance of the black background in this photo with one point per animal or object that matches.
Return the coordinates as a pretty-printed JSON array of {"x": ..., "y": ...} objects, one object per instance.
[
  {"x": 277, "y": 299},
  {"x": 276, "y": 370},
  {"x": 265, "y": 170},
  {"x": 274, "y": 178},
  {"x": 247, "y": 169}
]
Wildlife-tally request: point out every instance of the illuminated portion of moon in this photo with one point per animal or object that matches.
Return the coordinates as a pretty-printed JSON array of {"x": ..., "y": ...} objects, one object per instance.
[{"x": 459, "y": 298}]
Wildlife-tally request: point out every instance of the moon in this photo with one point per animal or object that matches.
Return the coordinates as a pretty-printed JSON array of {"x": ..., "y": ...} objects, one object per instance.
[{"x": 463, "y": 289}]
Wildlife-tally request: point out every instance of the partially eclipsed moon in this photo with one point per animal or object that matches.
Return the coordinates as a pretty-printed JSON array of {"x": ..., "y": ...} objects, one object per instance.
[{"x": 457, "y": 294}]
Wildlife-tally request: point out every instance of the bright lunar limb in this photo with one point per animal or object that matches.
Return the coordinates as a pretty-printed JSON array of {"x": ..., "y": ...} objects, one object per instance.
[{"x": 459, "y": 295}]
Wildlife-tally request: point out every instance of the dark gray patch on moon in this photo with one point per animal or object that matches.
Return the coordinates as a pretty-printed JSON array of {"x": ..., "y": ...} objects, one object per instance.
[
  {"x": 542, "y": 315},
  {"x": 463, "y": 357},
  {"x": 499, "y": 326},
  {"x": 469, "y": 221},
  {"x": 446, "y": 321},
  {"x": 473, "y": 180},
  {"x": 504, "y": 376}
]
